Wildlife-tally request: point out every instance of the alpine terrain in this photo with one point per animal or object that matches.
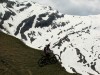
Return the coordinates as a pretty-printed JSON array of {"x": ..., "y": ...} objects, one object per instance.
[{"x": 76, "y": 39}]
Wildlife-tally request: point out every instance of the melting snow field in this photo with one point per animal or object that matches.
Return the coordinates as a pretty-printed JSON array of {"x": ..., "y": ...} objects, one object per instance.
[{"x": 76, "y": 39}]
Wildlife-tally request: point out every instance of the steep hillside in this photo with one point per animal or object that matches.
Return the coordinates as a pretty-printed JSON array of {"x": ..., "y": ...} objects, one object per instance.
[{"x": 18, "y": 59}]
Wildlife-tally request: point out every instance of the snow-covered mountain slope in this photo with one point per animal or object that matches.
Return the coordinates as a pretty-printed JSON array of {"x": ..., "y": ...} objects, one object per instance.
[{"x": 76, "y": 39}]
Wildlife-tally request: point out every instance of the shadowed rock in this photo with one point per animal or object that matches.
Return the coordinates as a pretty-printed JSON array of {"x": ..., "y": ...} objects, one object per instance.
[
  {"x": 81, "y": 56},
  {"x": 1, "y": 1},
  {"x": 61, "y": 41},
  {"x": 8, "y": 14},
  {"x": 46, "y": 23},
  {"x": 28, "y": 24}
]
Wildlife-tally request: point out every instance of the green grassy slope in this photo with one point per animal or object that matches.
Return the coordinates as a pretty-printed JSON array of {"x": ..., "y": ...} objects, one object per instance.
[{"x": 18, "y": 59}]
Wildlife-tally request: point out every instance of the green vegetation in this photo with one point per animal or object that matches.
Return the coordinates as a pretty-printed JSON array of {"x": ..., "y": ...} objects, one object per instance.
[{"x": 18, "y": 59}]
